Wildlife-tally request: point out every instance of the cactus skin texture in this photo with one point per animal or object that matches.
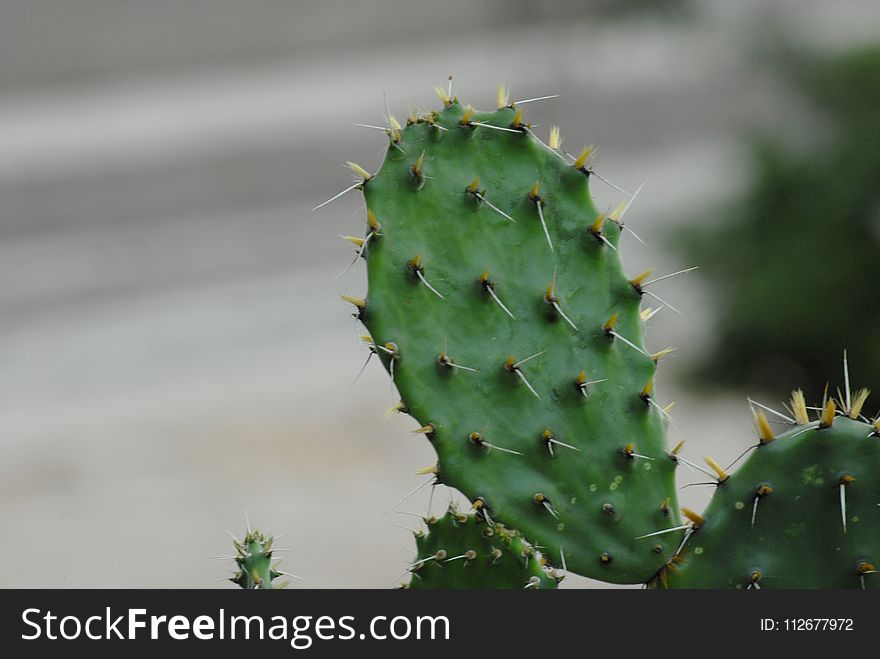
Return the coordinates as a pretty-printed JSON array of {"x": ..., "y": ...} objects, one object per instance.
[
  {"x": 798, "y": 539},
  {"x": 463, "y": 551},
  {"x": 255, "y": 564},
  {"x": 464, "y": 286}
]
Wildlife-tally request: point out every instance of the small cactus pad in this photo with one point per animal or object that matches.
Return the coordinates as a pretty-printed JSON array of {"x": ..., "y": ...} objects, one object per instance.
[
  {"x": 461, "y": 551},
  {"x": 254, "y": 562},
  {"x": 803, "y": 511},
  {"x": 498, "y": 304}
]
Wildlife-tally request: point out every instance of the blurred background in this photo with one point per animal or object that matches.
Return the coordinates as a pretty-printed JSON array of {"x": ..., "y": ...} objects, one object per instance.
[{"x": 173, "y": 350}]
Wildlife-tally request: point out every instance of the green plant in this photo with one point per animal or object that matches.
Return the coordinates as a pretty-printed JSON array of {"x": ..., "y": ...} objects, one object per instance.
[
  {"x": 801, "y": 512},
  {"x": 498, "y": 304},
  {"x": 461, "y": 550},
  {"x": 256, "y": 568}
]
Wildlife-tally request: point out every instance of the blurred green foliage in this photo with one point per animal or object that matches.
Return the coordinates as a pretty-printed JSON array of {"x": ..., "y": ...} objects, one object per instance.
[{"x": 794, "y": 263}]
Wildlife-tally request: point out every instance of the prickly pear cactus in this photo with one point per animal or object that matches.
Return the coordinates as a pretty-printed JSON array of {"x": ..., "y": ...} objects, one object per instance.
[
  {"x": 498, "y": 304},
  {"x": 803, "y": 511},
  {"x": 462, "y": 551},
  {"x": 254, "y": 560}
]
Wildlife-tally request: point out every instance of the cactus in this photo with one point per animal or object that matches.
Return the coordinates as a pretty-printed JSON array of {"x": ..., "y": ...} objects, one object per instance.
[
  {"x": 256, "y": 568},
  {"x": 802, "y": 512},
  {"x": 498, "y": 305},
  {"x": 463, "y": 551}
]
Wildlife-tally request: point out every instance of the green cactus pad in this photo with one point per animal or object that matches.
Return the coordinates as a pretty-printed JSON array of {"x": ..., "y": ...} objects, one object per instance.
[
  {"x": 461, "y": 551},
  {"x": 464, "y": 287},
  {"x": 798, "y": 538},
  {"x": 253, "y": 559}
]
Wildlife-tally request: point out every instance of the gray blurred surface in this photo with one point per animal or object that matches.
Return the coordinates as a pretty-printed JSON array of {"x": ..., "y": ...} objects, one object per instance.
[{"x": 172, "y": 348}]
